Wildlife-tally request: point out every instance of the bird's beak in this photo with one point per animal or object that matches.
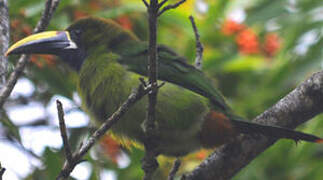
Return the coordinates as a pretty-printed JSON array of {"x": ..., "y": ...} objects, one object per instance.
[{"x": 50, "y": 42}]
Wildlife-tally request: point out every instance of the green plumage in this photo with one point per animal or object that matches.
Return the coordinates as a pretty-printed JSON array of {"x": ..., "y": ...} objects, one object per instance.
[
  {"x": 104, "y": 84},
  {"x": 190, "y": 112}
]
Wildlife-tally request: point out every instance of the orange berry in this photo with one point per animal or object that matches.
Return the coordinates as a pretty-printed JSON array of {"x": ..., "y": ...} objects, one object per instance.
[
  {"x": 247, "y": 42},
  {"x": 272, "y": 44},
  {"x": 230, "y": 27}
]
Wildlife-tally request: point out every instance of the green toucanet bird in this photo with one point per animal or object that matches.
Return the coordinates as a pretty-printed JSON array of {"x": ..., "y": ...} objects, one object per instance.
[{"x": 190, "y": 112}]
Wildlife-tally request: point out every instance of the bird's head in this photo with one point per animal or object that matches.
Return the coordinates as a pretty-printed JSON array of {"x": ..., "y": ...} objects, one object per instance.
[{"x": 74, "y": 43}]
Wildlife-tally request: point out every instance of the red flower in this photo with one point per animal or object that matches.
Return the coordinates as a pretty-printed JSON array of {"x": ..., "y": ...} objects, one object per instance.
[
  {"x": 247, "y": 42},
  {"x": 272, "y": 44},
  {"x": 230, "y": 27}
]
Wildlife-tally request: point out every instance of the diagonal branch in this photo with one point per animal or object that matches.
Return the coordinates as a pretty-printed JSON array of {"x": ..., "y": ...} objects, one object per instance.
[
  {"x": 299, "y": 106},
  {"x": 146, "y": 3},
  {"x": 50, "y": 7},
  {"x": 78, "y": 155},
  {"x": 62, "y": 127},
  {"x": 175, "y": 168}
]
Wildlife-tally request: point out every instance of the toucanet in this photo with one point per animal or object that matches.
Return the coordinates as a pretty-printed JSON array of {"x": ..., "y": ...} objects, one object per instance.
[{"x": 190, "y": 112}]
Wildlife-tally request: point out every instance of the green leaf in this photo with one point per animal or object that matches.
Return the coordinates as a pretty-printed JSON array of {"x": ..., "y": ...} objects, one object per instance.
[{"x": 245, "y": 63}]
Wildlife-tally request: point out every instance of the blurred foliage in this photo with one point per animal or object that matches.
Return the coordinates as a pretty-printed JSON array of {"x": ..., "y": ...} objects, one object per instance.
[{"x": 255, "y": 59}]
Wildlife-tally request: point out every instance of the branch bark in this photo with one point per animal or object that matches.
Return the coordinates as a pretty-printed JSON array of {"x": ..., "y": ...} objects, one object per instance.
[
  {"x": 149, "y": 162},
  {"x": 42, "y": 24},
  {"x": 299, "y": 106},
  {"x": 76, "y": 158},
  {"x": 4, "y": 40},
  {"x": 62, "y": 127},
  {"x": 175, "y": 168}
]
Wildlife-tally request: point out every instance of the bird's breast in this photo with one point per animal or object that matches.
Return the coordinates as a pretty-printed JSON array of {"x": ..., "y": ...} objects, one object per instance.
[{"x": 105, "y": 85}]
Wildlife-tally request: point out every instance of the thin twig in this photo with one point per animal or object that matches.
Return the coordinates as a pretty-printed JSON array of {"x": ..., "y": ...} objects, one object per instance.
[
  {"x": 146, "y": 3},
  {"x": 172, "y": 6},
  {"x": 4, "y": 40},
  {"x": 77, "y": 157},
  {"x": 199, "y": 46},
  {"x": 50, "y": 7},
  {"x": 162, "y": 3},
  {"x": 62, "y": 127},
  {"x": 175, "y": 168}
]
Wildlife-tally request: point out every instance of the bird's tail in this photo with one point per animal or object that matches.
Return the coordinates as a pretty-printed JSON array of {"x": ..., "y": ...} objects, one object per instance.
[{"x": 273, "y": 131}]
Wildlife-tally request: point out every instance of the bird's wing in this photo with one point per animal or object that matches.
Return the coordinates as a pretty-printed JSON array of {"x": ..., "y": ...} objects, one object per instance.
[{"x": 174, "y": 69}]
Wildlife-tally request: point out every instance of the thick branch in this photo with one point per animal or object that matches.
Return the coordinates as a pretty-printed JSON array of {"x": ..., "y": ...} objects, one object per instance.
[
  {"x": 4, "y": 40},
  {"x": 41, "y": 26},
  {"x": 77, "y": 157},
  {"x": 149, "y": 162},
  {"x": 299, "y": 106}
]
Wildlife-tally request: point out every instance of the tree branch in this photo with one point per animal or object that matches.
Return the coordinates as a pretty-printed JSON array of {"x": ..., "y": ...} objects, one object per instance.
[
  {"x": 299, "y": 106},
  {"x": 172, "y": 6},
  {"x": 2, "y": 170},
  {"x": 175, "y": 168},
  {"x": 62, "y": 127},
  {"x": 42, "y": 24},
  {"x": 78, "y": 155},
  {"x": 4, "y": 40},
  {"x": 161, "y": 4},
  {"x": 146, "y": 3},
  {"x": 149, "y": 162},
  {"x": 199, "y": 46}
]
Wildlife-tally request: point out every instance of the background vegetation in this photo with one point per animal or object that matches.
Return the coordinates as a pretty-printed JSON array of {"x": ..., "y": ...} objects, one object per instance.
[{"x": 255, "y": 50}]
